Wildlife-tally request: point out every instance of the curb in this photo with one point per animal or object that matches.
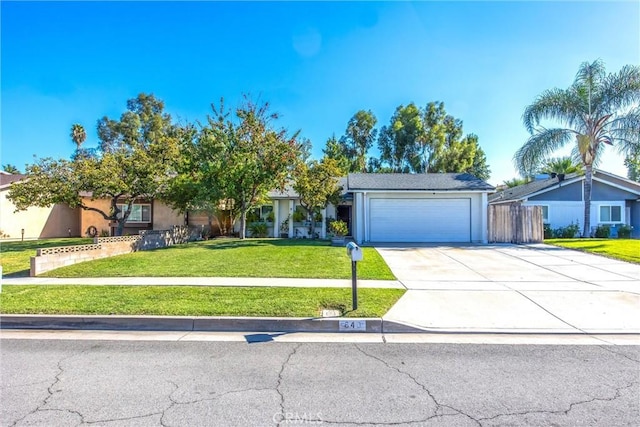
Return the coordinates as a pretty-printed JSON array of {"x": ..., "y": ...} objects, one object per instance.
[{"x": 186, "y": 323}]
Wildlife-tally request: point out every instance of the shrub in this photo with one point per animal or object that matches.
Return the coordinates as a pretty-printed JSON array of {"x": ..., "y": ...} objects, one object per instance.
[
  {"x": 548, "y": 232},
  {"x": 338, "y": 228},
  {"x": 271, "y": 217},
  {"x": 568, "y": 232},
  {"x": 258, "y": 229},
  {"x": 603, "y": 231},
  {"x": 104, "y": 233},
  {"x": 624, "y": 231},
  {"x": 299, "y": 214}
]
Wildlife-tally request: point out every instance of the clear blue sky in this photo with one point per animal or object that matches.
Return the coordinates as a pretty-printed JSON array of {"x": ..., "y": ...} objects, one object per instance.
[{"x": 316, "y": 63}]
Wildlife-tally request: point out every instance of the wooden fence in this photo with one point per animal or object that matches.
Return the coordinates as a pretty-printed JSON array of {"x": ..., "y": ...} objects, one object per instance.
[{"x": 515, "y": 224}]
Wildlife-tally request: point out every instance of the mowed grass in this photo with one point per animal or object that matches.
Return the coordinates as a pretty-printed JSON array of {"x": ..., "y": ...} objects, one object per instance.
[
  {"x": 236, "y": 258},
  {"x": 193, "y": 301},
  {"x": 622, "y": 249},
  {"x": 14, "y": 256}
]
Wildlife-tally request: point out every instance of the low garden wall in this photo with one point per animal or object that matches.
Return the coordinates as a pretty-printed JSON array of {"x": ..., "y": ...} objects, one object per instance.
[{"x": 47, "y": 259}]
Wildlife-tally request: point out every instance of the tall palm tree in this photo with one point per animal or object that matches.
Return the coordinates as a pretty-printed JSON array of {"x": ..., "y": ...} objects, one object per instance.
[
  {"x": 597, "y": 109},
  {"x": 78, "y": 134}
]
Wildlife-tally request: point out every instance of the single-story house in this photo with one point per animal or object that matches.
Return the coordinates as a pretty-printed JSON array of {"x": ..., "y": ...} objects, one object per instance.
[
  {"x": 58, "y": 220},
  {"x": 408, "y": 208},
  {"x": 614, "y": 200}
]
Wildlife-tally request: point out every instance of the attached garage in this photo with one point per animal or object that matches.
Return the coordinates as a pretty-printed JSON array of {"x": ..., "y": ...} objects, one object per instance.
[
  {"x": 420, "y": 220},
  {"x": 419, "y": 208}
]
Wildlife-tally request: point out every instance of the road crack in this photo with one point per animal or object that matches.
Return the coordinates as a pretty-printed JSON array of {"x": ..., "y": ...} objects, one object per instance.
[
  {"x": 617, "y": 395},
  {"x": 279, "y": 384}
]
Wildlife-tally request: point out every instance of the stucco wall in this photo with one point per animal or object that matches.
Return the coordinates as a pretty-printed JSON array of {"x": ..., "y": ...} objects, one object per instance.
[
  {"x": 164, "y": 217},
  {"x": 90, "y": 218},
  {"x": 42, "y": 223}
]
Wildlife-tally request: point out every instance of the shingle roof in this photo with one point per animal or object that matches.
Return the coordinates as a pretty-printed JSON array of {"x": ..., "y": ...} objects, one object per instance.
[
  {"x": 521, "y": 191},
  {"x": 417, "y": 182},
  {"x": 6, "y": 179}
]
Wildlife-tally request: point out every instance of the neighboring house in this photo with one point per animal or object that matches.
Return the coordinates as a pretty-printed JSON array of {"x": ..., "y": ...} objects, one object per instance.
[
  {"x": 614, "y": 200},
  {"x": 58, "y": 220},
  {"x": 145, "y": 215}
]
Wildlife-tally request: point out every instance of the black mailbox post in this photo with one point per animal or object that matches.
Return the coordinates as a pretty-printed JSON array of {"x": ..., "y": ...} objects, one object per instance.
[{"x": 355, "y": 253}]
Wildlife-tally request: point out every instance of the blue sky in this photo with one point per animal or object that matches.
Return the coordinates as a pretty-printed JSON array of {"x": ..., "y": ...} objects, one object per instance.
[{"x": 315, "y": 63}]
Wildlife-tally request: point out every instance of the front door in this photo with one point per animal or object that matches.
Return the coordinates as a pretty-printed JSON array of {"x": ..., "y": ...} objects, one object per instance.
[{"x": 344, "y": 214}]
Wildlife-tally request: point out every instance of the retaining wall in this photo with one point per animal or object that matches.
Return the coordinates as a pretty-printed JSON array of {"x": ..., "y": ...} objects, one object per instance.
[{"x": 47, "y": 259}]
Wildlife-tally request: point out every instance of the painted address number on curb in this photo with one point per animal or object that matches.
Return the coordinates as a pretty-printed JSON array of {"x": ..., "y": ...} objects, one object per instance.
[{"x": 353, "y": 325}]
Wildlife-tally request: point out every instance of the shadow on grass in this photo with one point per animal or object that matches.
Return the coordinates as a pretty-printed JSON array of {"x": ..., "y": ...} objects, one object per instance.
[
  {"x": 21, "y": 273},
  {"x": 218, "y": 244},
  {"x": 39, "y": 244}
]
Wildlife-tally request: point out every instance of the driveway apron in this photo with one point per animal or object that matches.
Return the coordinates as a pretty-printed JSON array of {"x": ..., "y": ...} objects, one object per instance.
[{"x": 513, "y": 288}]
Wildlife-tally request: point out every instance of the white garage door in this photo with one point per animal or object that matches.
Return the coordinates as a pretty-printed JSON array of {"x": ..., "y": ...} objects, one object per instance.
[{"x": 420, "y": 220}]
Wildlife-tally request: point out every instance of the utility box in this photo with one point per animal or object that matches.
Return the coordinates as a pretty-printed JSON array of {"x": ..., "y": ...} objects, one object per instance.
[{"x": 354, "y": 251}]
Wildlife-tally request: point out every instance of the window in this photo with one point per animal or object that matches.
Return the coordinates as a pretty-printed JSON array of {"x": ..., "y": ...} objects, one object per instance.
[
  {"x": 545, "y": 214},
  {"x": 610, "y": 213},
  {"x": 139, "y": 212}
]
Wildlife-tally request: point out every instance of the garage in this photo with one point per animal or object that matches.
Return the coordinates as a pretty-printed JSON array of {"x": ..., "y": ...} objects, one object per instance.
[{"x": 420, "y": 219}]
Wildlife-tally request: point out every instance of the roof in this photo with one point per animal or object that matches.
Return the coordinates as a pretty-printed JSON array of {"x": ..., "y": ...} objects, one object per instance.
[
  {"x": 417, "y": 182},
  {"x": 290, "y": 193},
  {"x": 525, "y": 191},
  {"x": 6, "y": 179}
]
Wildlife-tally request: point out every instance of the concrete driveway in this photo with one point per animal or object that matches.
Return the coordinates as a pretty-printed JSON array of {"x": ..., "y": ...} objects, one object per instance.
[{"x": 514, "y": 288}]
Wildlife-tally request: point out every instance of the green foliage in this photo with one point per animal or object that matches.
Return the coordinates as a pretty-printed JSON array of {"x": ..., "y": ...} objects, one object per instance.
[
  {"x": 299, "y": 214},
  {"x": 568, "y": 232},
  {"x": 336, "y": 151},
  {"x": 134, "y": 160},
  {"x": 104, "y": 233},
  {"x": 516, "y": 182},
  {"x": 358, "y": 139},
  {"x": 9, "y": 168},
  {"x": 15, "y": 256},
  {"x": 548, "y": 232},
  {"x": 559, "y": 165},
  {"x": 317, "y": 185},
  {"x": 338, "y": 228},
  {"x": 428, "y": 140},
  {"x": 236, "y": 159},
  {"x": 258, "y": 229},
  {"x": 598, "y": 109},
  {"x": 632, "y": 163},
  {"x": 603, "y": 231},
  {"x": 624, "y": 231}
]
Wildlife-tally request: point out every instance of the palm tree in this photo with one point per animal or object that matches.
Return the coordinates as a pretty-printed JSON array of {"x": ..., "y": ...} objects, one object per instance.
[
  {"x": 78, "y": 135},
  {"x": 558, "y": 165},
  {"x": 9, "y": 168},
  {"x": 597, "y": 109}
]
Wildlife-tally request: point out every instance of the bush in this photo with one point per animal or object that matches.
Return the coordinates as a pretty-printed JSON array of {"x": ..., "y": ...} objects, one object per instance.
[
  {"x": 299, "y": 214},
  {"x": 624, "y": 231},
  {"x": 339, "y": 228},
  {"x": 548, "y": 232},
  {"x": 104, "y": 233},
  {"x": 603, "y": 231},
  {"x": 568, "y": 232},
  {"x": 258, "y": 229}
]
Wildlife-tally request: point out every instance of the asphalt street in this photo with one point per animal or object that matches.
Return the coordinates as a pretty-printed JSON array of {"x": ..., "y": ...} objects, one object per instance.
[{"x": 260, "y": 382}]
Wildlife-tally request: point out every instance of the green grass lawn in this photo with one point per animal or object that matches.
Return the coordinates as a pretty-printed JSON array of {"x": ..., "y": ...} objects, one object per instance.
[
  {"x": 193, "y": 301},
  {"x": 236, "y": 258},
  {"x": 14, "y": 256},
  {"x": 623, "y": 249}
]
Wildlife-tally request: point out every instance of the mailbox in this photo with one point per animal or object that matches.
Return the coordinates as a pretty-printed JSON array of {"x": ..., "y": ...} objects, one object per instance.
[{"x": 354, "y": 251}]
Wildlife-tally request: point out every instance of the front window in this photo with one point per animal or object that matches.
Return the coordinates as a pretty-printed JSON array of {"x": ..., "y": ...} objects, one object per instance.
[
  {"x": 610, "y": 214},
  {"x": 139, "y": 212},
  {"x": 545, "y": 214}
]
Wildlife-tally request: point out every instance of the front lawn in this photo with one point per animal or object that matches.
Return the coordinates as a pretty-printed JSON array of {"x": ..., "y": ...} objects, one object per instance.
[
  {"x": 14, "y": 256},
  {"x": 623, "y": 249},
  {"x": 193, "y": 301},
  {"x": 236, "y": 258}
]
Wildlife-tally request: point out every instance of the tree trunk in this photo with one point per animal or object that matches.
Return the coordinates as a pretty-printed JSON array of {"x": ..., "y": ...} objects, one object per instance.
[
  {"x": 243, "y": 224},
  {"x": 588, "y": 175},
  {"x": 120, "y": 227}
]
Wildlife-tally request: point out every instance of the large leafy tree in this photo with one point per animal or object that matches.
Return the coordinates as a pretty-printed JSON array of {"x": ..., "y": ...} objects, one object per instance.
[
  {"x": 598, "y": 109},
  {"x": 317, "y": 185},
  {"x": 400, "y": 140},
  {"x": 234, "y": 160},
  {"x": 632, "y": 162},
  {"x": 134, "y": 160},
  {"x": 358, "y": 139},
  {"x": 336, "y": 151}
]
